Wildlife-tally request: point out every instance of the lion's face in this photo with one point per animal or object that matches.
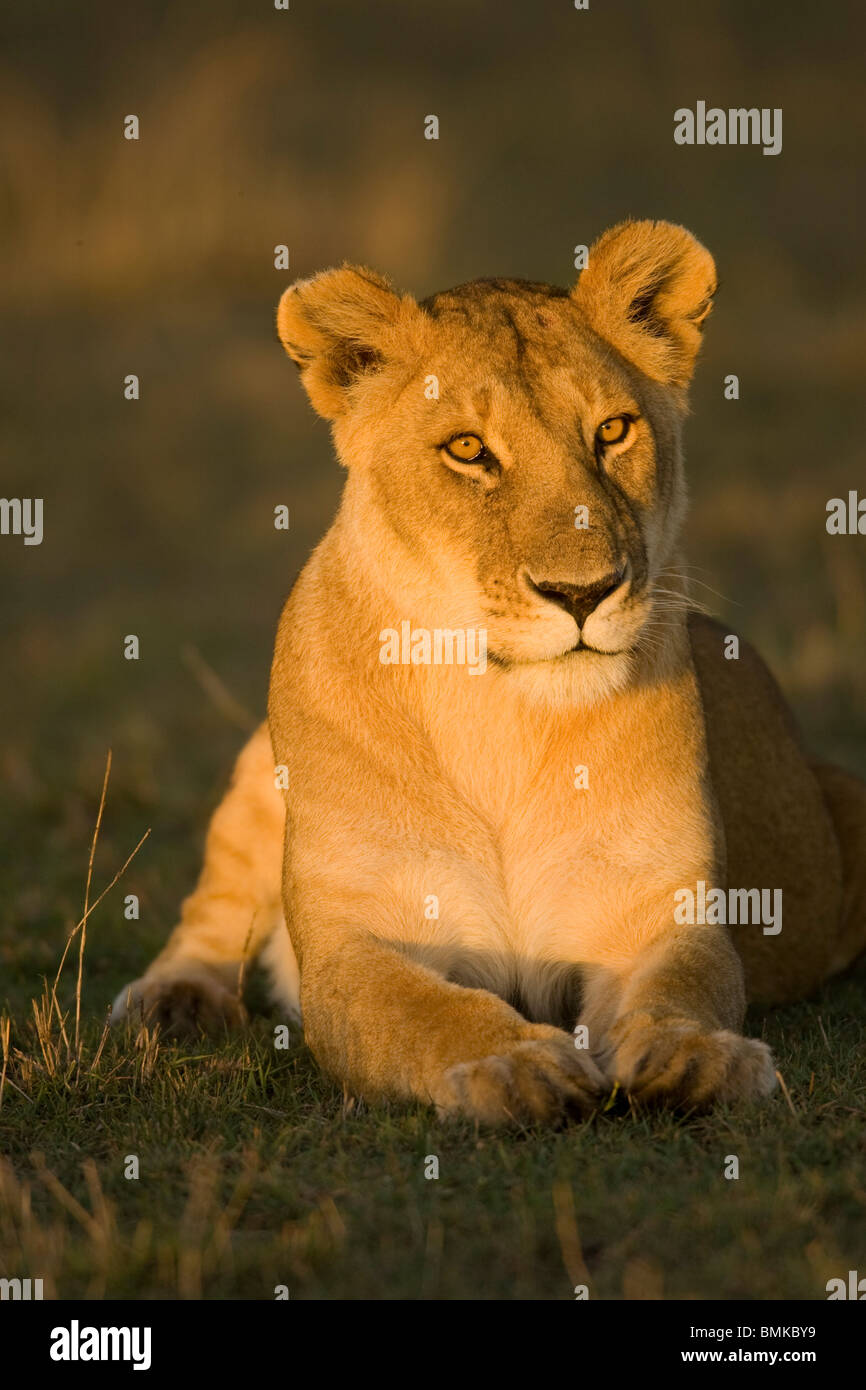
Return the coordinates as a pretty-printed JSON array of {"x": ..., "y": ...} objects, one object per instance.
[{"x": 514, "y": 449}]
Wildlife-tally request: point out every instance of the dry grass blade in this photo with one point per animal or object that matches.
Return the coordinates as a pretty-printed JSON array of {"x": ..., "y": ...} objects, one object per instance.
[
  {"x": 785, "y": 1092},
  {"x": 5, "y": 1034},
  {"x": 565, "y": 1221},
  {"x": 66, "y": 1199},
  {"x": 217, "y": 691},
  {"x": 824, "y": 1035},
  {"x": 80, "y": 925},
  {"x": 83, "y": 938}
]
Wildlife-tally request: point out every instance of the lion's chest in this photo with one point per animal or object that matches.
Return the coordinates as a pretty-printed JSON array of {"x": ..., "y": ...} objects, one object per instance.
[
  {"x": 579, "y": 876},
  {"x": 586, "y": 886}
]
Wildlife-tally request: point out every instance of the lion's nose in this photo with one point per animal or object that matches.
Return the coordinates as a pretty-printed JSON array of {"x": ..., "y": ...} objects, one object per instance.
[{"x": 580, "y": 599}]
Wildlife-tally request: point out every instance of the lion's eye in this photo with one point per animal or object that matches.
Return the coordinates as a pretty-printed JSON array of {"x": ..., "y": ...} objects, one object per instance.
[
  {"x": 614, "y": 431},
  {"x": 467, "y": 448}
]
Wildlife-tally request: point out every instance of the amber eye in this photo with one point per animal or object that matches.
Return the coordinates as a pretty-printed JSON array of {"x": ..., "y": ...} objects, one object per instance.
[
  {"x": 613, "y": 431},
  {"x": 468, "y": 448}
]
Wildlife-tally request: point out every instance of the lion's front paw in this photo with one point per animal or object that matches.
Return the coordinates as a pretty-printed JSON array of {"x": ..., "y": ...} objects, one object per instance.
[
  {"x": 542, "y": 1077},
  {"x": 674, "y": 1061},
  {"x": 183, "y": 1005}
]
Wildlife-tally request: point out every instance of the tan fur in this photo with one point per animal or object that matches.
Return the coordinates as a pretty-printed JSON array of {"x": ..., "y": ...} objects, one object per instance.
[{"x": 414, "y": 784}]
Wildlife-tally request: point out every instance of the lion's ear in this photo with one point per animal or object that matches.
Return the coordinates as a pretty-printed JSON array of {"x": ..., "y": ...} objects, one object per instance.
[
  {"x": 647, "y": 288},
  {"x": 335, "y": 326}
]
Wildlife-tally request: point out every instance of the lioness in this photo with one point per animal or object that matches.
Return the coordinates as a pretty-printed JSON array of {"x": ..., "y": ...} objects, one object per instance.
[{"x": 473, "y": 858}]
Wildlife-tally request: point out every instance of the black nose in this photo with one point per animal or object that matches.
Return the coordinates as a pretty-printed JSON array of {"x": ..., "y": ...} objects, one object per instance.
[{"x": 580, "y": 599}]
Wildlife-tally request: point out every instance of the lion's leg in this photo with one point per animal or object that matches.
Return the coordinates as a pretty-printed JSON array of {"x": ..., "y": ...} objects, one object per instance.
[
  {"x": 845, "y": 796},
  {"x": 236, "y": 905},
  {"x": 390, "y": 1027},
  {"x": 668, "y": 1028}
]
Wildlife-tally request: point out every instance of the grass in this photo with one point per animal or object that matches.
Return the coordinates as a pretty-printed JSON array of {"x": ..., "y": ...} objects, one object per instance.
[
  {"x": 232, "y": 1168},
  {"x": 254, "y": 1172}
]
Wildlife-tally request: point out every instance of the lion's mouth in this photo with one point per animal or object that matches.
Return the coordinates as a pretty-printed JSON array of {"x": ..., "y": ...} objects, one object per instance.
[
  {"x": 582, "y": 648},
  {"x": 579, "y": 650}
]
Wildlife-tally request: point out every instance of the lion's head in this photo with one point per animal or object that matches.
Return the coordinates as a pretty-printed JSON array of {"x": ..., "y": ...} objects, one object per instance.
[{"x": 513, "y": 448}]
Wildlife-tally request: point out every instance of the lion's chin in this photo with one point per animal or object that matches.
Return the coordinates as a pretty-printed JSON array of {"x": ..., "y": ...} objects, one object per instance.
[{"x": 579, "y": 677}]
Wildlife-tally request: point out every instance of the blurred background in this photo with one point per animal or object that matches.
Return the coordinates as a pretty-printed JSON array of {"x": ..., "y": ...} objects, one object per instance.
[{"x": 306, "y": 127}]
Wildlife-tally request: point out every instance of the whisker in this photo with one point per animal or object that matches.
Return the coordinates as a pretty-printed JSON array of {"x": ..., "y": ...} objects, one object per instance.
[
  {"x": 665, "y": 606},
  {"x": 674, "y": 572},
  {"x": 684, "y": 601}
]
